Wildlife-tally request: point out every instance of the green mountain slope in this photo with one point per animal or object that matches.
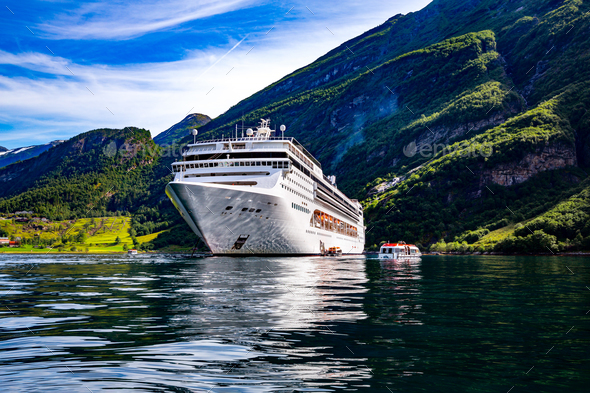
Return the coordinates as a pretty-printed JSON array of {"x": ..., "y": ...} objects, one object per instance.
[
  {"x": 75, "y": 176},
  {"x": 181, "y": 129}
]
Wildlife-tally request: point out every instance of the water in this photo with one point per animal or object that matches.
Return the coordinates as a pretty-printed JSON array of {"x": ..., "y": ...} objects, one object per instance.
[{"x": 169, "y": 324}]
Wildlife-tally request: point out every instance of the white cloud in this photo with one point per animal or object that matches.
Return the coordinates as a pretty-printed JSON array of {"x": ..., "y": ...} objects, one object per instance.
[{"x": 127, "y": 19}]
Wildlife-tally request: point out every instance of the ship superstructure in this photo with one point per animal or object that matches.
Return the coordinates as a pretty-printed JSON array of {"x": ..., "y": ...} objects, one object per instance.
[{"x": 262, "y": 194}]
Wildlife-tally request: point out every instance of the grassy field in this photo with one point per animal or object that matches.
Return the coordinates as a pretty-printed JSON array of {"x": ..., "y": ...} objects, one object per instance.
[
  {"x": 150, "y": 237},
  {"x": 101, "y": 235},
  {"x": 496, "y": 236},
  {"x": 112, "y": 228}
]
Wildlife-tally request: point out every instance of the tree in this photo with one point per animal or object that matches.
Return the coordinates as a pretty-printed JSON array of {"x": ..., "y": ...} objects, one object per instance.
[
  {"x": 118, "y": 240},
  {"x": 81, "y": 238}
]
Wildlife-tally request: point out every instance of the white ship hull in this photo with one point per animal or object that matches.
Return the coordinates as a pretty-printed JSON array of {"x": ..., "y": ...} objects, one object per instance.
[
  {"x": 276, "y": 229},
  {"x": 263, "y": 195}
]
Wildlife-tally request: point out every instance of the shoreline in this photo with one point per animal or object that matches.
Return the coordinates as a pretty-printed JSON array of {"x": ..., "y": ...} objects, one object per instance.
[{"x": 371, "y": 253}]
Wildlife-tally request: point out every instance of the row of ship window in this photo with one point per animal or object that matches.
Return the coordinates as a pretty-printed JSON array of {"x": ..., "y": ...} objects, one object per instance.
[
  {"x": 229, "y": 164},
  {"x": 300, "y": 208},
  {"x": 327, "y": 222},
  {"x": 251, "y": 209},
  {"x": 299, "y": 185},
  {"x": 296, "y": 193}
]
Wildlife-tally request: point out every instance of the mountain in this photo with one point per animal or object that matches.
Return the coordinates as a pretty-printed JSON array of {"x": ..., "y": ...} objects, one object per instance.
[
  {"x": 95, "y": 174},
  {"x": 99, "y": 169},
  {"x": 7, "y": 156},
  {"x": 181, "y": 129}
]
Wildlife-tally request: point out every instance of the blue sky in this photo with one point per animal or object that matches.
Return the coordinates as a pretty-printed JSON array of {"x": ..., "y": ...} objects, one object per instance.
[{"x": 67, "y": 67}]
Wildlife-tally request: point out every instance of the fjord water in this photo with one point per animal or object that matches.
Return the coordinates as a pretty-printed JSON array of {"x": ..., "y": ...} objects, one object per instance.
[{"x": 153, "y": 323}]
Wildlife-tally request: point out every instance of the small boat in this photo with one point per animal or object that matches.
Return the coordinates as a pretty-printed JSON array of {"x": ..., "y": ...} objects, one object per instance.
[
  {"x": 399, "y": 250},
  {"x": 334, "y": 252},
  {"x": 132, "y": 252}
]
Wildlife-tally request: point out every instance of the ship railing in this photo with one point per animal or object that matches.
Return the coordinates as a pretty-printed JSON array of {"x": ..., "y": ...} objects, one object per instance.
[{"x": 244, "y": 139}]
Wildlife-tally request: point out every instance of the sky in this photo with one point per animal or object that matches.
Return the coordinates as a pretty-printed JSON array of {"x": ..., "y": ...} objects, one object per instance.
[{"x": 67, "y": 67}]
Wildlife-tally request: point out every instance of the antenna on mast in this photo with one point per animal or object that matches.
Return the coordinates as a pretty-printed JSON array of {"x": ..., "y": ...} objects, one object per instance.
[{"x": 194, "y": 133}]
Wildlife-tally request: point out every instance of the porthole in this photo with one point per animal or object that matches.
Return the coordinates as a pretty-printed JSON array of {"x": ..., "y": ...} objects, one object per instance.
[
  {"x": 258, "y": 210},
  {"x": 251, "y": 210},
  {"x": 244, "y": 209},
  {"x": 229, "y": 208}
]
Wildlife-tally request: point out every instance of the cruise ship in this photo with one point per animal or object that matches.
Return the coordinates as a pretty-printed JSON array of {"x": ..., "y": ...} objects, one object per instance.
[{"x": 260, "y": 193}]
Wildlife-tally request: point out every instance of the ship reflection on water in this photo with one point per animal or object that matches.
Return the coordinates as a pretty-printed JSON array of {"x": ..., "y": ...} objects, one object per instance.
[{"x": 402, "y": 279}]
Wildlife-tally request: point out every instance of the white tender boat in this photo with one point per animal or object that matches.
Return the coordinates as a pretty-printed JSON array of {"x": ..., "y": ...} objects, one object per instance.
[{"x": 399, "y": 251}]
